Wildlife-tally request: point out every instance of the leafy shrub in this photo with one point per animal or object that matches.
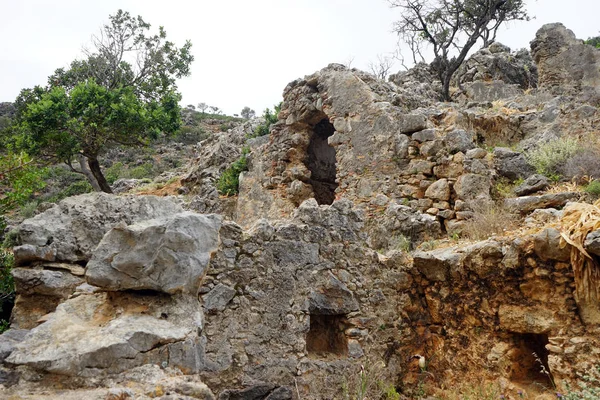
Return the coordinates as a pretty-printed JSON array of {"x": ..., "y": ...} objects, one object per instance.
[
  {"x": 11, "y": 239},
  {"x": 270, "y": 118},
  {"x": 114, "y": 172},
  {"x": 548, "y": 158},
  {"x": 145, "y": 170},
  {"x": 229, "y": 181},
  {"x": 7, "y": 284},
  {"x": 593, "y": 188},
  {"x": 585, "y": 164},
  {"x": 594, "y": 41},
  {"x": 27, "y": 210},
  {"x": 79, "y": 187},
  {"x": 189, "y": 135}
]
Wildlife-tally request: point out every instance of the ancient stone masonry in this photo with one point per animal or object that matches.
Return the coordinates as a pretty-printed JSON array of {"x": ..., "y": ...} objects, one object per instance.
[{"x": 339, "y": 255}]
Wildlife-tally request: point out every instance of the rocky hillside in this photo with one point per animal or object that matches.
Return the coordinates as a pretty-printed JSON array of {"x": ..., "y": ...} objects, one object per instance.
[{"x": 382, "y": 245}]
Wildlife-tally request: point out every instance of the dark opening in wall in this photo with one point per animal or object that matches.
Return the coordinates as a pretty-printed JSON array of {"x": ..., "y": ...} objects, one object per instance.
[
  {"x": 6, "y": 306},
  {"x": 326, "y": 335},
  {"x": 320, "y": 161},
  {"x": 530, "y": 360}
]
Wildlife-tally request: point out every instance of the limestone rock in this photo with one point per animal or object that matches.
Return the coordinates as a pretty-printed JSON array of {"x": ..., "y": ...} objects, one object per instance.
[
  {"x": 101, "y": 332},
  {"x": 547, "y": 246},
  {"x": 218, "y": 298},
  {"x": 168, "y": 254},
  {"x": 258, "y": 392},
  {"x": 332, "y": 299},
  {"x": 565, "y": 64},
  {"x": 458, "y": 141},
  {"x": 498, "y": 63},
  {"x": 8, "y": 341},
  {"x": 533, "y": 184},
  {"x": 523, "y": 319},
  {"x": 473, "y": 186},
  {"x": 592, "y": 243},
  {"x": 45, "y": 282},
  {"x": 527, "y": 204},
  {"x": 72, "y": 229},
  {"x": 437, "y": 265},
  {"x": 511, "y": 164},
  {"x": 439, "y": 190}
]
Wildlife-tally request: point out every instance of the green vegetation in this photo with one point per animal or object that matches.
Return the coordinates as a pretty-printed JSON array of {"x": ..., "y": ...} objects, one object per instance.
[
  {"x": 7, "y": 284},
  {"x": 593, "y": 188},
  {"x": 103, "y": 99},
  {"x": 270, "y": 118},
  {"x": 229, "y": 181},
  {"x": 19, "y": 179},
  {"x": 548, "y": 158},
  {"x": 594, "y": 41},
  {"x": 589, "y": 387}
]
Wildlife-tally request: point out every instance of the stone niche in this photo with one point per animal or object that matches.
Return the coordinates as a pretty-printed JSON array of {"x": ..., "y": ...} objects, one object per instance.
[
  {"x": 320, "y": 161},
  {"x": 529, "y": 359},
  {"x": 326, "y": 336}
]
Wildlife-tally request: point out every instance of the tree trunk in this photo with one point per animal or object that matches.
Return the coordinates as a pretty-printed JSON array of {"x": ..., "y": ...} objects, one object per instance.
[
  {"x": 87, "y": 173},
  {"x": 446, "y": 87},
  {"x": 95, "y": 168}
]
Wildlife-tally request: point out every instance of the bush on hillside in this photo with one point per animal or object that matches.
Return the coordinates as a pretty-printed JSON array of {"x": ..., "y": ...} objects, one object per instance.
[
  {"x": 7, "y": 284},
  {"x": 270, "y": 118},
  {"x": 229, "y": 181},
  {"x": 549, "y": 158}
]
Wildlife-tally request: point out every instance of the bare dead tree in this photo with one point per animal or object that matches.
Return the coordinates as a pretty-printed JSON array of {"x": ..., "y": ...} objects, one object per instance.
[
  {"x": 451, "y": 28},
  {"x": 381, "y": 68}
]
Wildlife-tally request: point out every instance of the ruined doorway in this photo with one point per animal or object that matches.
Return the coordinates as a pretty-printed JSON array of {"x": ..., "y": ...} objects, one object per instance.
[
  {"x": 321, "y": 162},
  {"x": 530, "y": 360},
  {"x": 326, "y": 336}
]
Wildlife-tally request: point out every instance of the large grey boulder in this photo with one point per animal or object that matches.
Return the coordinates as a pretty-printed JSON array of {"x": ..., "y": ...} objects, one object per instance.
[
  {"x": 511, "y": 164},
  {"x": 90, "y": 334},
  {"x": 168, "y": 254},
  {"x": 527, "y": 204},
  {"x": 437, "y": 265},
  {"x": 458, "y": 140},
  {"x": 592, "y": 242},
  {"x": 565, "y": 64},
  {"x": 533, "y": 184},
  {"x": 498, "y": 63},
  {"x": 473, "y": 186},
  {"x": 72, "y": 229},
  {"x": 45, "y": 282},
  {"x": 8, "y": 341}
]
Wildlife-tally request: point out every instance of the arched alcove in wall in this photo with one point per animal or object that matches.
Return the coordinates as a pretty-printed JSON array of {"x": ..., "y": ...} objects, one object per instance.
[{"x": 321, "y": 162}]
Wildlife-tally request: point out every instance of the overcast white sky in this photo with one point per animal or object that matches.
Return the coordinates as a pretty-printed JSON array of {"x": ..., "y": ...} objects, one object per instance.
[{"x": 246, "y": 50}]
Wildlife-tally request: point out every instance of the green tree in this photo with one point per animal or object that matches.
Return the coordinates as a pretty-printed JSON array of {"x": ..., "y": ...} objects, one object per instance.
[
  {"x": 123, "y": 92},
  {"x": 19, "y": 179},
  {"x": 451, "y": 28},
  {"x": 247, "y": 113},
  {"x": 75, "y": 126},
  {"x": 594, "y": 41}
]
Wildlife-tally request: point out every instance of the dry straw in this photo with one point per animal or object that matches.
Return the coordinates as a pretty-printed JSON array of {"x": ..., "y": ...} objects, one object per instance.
[{"x": 579, "y": 219}]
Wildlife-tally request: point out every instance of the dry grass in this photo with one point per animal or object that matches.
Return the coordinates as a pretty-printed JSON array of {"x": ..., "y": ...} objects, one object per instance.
[
  {"x": 167, "y": 189},
  {"x": 489, "y": 219},
  {"x": 579, "y": 219}
]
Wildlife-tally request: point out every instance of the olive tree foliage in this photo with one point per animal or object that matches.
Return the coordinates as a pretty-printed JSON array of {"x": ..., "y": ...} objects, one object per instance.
[
  {"x": 451, "y": 28},
  {"x": 247, "y": 113},
  {"x": 122, "y": 92}
]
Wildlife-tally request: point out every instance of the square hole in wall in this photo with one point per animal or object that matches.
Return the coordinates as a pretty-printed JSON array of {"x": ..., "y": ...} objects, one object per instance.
[{"x": 326, "y": 336}]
